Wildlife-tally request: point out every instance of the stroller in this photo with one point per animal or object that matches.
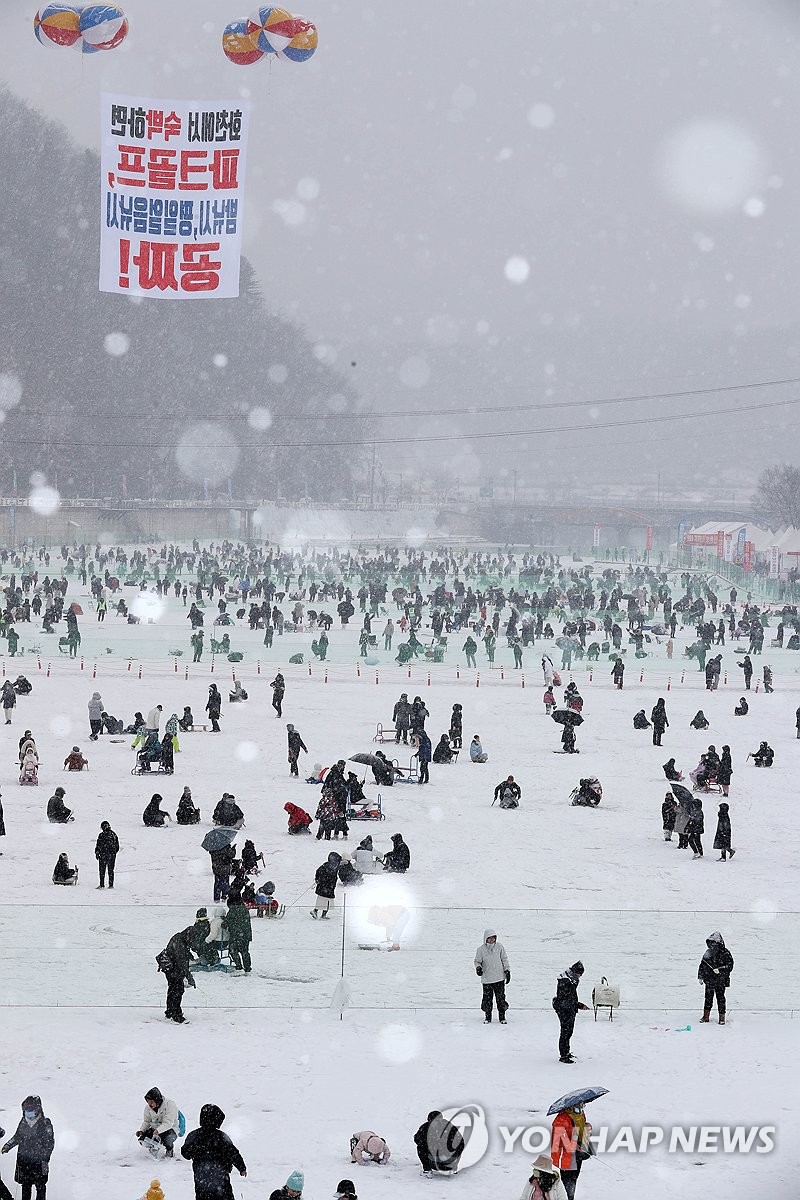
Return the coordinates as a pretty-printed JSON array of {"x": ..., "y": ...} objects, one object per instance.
[
  {"x": 29, "y": 771},
  {"x": 588, "y": 793},
  {"x": 366, "y": 810}
]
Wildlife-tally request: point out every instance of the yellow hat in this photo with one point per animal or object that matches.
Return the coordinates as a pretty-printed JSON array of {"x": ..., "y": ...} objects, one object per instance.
[{"x": 154, "y": 1192}]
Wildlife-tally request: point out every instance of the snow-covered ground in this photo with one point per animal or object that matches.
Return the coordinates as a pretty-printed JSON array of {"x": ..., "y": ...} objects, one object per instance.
[{"x": 83, "y": 1017}]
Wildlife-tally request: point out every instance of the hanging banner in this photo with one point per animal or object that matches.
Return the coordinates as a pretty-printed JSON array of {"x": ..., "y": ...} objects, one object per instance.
[
  {"x": 721, "y": 543},
  {"x": 740, "y": 540},
  {"x": 172, "y": 191},
  {"x": 774, "y": 562},
  {"x": 595, "y": 537},
  {"x": 728, "y": 547},
  {"x": 747, "y": 556},
  {"x": 648, "y": 542}
]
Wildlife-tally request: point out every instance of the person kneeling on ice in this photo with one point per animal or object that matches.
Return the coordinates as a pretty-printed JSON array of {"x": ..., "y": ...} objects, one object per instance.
[
  {"x": 299, "y": 819},
  {"x": 476, "y": 752},
  {"x": 439, "y": 1145},
  {"x": 292, "y": 1189},
  {"x": 63, "y": 873},
  {"x": 368, "y": 1147},
  {"x": 544, "y": 1182},
  {"x": 187, "y": 814},
  {"x": 699, "y": 720},
  {"x": 640, "y": 720},
  {"x": 213, "y": 1156},
  {"x": 508, "y": 792},
  {"x": 160, "y": 1122},
  {"x": 154, "y": 816},
  {"x": 491, "y": 966},
  {"x": 398, "y": 859}
]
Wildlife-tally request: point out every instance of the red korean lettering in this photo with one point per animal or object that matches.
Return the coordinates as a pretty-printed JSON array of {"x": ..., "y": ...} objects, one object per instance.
[
  {"x": 131, "y": 161},
  {"x": 193, "y": 162},
  {"x": 225, "y": 170},
  {"x": 200, "y": 272},
  {"x": 162, "y": 169},
  {"x": 155, "y": 122},
  {"x": 172, "y": 126},
  {"x": 156, "y": 263}
]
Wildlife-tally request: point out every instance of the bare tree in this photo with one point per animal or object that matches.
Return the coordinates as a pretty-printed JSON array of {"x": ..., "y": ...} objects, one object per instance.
[{"x": 778, "y": 497}]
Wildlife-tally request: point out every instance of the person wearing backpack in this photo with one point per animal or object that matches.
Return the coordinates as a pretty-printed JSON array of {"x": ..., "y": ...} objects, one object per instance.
[
  {"x": 161, "y": 1121},
  {"x": 174, "y": 961}
]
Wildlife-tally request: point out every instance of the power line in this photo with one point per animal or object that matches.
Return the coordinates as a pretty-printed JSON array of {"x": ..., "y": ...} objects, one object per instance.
[
  {"x": 470, "y": 410},
  {"x": 443, "y": 437}
]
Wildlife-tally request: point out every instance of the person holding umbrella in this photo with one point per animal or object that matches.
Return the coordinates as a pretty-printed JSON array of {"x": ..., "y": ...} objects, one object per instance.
[
  {"x": 682, "y": 816},
  {"x": 567, "y": 1005},
  {"x": 714, "y": 973},
  {"x": 570, "y": 720},
  {"x": 570, "y": 1145}
]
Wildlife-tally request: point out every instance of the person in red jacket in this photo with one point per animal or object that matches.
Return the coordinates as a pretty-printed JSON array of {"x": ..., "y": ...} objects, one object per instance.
[
  {"x": 299, "y": 819},
  {"x": 570, "y": 1146}
]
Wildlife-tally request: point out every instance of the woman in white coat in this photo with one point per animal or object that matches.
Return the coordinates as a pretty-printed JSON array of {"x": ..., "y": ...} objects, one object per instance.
[
  {"x": 548, "y": 670},
  {"x": 544, "y": 1182}
]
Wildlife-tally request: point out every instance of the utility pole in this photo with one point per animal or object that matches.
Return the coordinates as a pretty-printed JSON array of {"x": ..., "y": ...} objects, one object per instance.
[
  {"x": 372, "y": 478},
  {"x": 514, "y": 491}
]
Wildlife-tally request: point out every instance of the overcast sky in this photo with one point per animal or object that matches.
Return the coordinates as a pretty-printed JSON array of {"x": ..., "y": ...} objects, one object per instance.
[{"x": 492, "y": 205}]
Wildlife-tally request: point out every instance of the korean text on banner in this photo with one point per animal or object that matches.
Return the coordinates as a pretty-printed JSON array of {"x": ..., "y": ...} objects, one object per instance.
[{"x": 172, "y": 191}]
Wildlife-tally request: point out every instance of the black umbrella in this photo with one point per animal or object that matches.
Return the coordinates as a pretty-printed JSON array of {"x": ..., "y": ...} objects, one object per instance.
[
  {"x": 567, "y": 716},
  {"x": 219, "y": 837},
  {"x": 369, "y": 760},
  {"x": 682, "y": 794}
]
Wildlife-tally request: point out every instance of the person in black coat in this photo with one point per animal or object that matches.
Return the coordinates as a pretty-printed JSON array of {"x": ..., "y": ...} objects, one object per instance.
[
  {"x": 743, "y": 708},
  {"x": 566, "y": 1005},
  {"x": 659, "y": 718},
  {"x": 671, "y": 771},
  {"x": 747, "y": 668},
  {"x": 154, "y": 816},
  {"x": 174, "y": 961},
  {"x": 722, "y": 837},
  {"x": 57, "y": 811},
  {"x": 669, "y": 809},
  {"x": 296, "y": 744},
  {"x": 214, "y": 708},
  {"x": 222, "y": 861},
  {"x": 187, "y": 814},
  {"x": 764, "y": 755},
  {"x": 213, "y": 1156},
  {"x": 439, "y": 1143},
  {"x": 715, "y": 973},
  {"x": 443, "y": 752},
  {"x": 695, "y": 828},
  {"x": 725, "y": 770},
  {"x": 105, "y": 851},
  {"x": 699, "y": 720},
  {"x": 640, "y": 720},
  {"x": 456, "y": 727},
  {"x": 325, "y": 880},
  {"x": 228, "y": 813},
  {"x": 278, "y": 686},
  {"x": 35, "y": 1142},
  {"x": 398, "y": 859}
]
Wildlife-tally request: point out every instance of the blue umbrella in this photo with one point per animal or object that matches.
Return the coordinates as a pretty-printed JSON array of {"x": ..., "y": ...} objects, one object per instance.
[{"x": 575, "y": 1099}]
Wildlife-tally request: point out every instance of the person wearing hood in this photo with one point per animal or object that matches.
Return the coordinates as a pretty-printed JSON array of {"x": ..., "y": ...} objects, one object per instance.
[
  {"x": 401, "y": 717},
  {"x": 695, "y": 828},
  {"x": 368, "y": 1147},
  {"x": 238, "y": 694},
  {"x": 476, "y": 751},
  {"x": 699, "y": 720},
  {"x": 201, "y": 942},
  {"x": 75, "y": 760},
  {"x": 764, "y": 755},
  {"x": 722, "y": 837},
  {"x": 725, "y": 770},
  {"x": 187, "y": 814},
  {"x": 299, "y": 819},
  {"x": 456, "y": 727},
  {"x": 105, "y": 851},
  {"x": 714, "y": 973},
  {"x": 424, "y": 754},
  {"x": 292, "y": 1189},
  {"x": 186, "y": 721},
  {"x": 669, "y": 809},
  {"x": 63, "y": 873},
  {"x": 491, "y": 966},
  {"x": 570, "y": 1145},
  {"x": 240, "y": 933},
  {"x": 364, "y": 858},
  {"x": 742, "y": 708},
  {"x": 174, "y": 961},
  {"x": 398, "y": 859},
  {"x": 544, "y": 1181},
  {"x": 567, "y": 1006},
  {"x": 35, "y": 1142},
  {"x": 154, "y": 815},
  {"x": 349, "y": 876},
  {"x": 682, "y": 818},
  {"x": 95, "y": 707},
  {"x": 296, "y": 744},
  {"x": 747, "y": 669},
  {"x": 278, "y": 686},
  {"x": 214, "y": 708},
  {"x": 640, "y": 720},
  {"x": 325, "y": 880},
  {"x": 160, "y": 1121},
  {"x": 659, "y": 718},
  {"x": 419, "y": 714},
  {"x": 439, "y": 1145},
  {"x": 671, "y": 771},
  {"x": 57, "y": 811},
  {"x": 443, "y": 752},
  {"x": 345, "y": 1190},
  {"x": 213, "y": 1156}
]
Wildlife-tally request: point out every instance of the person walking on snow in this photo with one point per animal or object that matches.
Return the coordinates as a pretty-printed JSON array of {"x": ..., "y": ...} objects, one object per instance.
[
  {"x": 618, "y": 672},
  {"x": 35, "y": 1143},
  {"x": 95, "y": 707},
  {"x": 491, "y": 966},
  {"x": 213, "y": 1156},
  {"x": 296, "y": 744},
  {"x": 105, "y": 851},
  {"x": 660, "y": 723},
  {"x": 722, "y": 837},
  {"x": 278, "y": 686},
  {"x": 714, "y": 973}
]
